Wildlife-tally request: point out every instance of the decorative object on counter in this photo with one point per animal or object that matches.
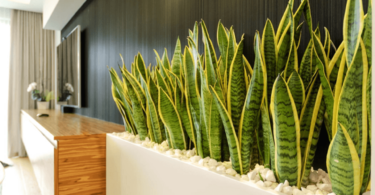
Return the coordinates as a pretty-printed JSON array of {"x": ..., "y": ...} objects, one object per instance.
[
  {"x": 42, "y": 96},
  {"x": 67, "y": 93},
  {"x": 269, "y": 114}
]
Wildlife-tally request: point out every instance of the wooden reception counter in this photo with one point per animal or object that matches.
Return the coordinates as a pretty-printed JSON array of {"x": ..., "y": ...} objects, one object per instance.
[{"x": 67, "y": 151}]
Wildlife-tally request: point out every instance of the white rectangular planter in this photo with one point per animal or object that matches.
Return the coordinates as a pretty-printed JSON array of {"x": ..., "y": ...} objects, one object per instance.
[{"x": 135, "y": 170}]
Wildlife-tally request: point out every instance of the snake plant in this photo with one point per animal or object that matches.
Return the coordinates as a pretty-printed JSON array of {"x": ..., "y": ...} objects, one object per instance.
[{"x": 270, "y": 112}]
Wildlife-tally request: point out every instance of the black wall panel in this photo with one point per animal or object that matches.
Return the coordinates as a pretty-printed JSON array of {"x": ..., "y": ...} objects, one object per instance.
[{"x": 110, "y": 27}]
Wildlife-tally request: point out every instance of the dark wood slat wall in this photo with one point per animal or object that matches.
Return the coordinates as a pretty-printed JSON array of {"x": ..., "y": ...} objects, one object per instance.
[{"x": 110, "y": 27}]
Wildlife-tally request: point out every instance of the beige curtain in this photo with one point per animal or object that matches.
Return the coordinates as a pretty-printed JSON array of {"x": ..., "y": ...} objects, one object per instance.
[{"x": 32, "y": 58}]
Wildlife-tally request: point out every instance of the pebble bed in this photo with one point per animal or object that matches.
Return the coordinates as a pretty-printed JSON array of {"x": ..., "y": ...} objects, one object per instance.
[{"x": 260, "y": 177}]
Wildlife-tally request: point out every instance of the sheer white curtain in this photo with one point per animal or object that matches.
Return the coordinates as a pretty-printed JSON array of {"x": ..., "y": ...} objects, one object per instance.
[{"x": 5, "y": 15}]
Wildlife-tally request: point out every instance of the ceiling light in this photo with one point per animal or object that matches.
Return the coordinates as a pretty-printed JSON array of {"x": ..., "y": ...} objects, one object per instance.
[{"x": 21, "y": 1}]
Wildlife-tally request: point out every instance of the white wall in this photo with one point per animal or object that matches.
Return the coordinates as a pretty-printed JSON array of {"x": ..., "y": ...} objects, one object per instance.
[{"x": 48, "y": 7}]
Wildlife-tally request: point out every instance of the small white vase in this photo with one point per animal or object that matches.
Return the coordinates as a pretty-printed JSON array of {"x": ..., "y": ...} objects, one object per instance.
[{"x": 43, "y": 105}]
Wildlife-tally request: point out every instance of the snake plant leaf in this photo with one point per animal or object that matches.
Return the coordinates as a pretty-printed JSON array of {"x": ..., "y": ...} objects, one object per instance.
[
  {"x": 162, "y": 84},
  {"x": 318, "y": 47},
  {"x": 292, "y": 64},
  {"x": 234, "y": 147},
  {"x": 177, "y": 59},
  {"x": 210, "y": 64},
  {"x": 209, "y": 45},
  {"x": 285, "y": 20},
  {"x": 269, "y": 161},
  {"x": 195, "y": 34},
  {"x": 139, "y": 117},
  {"x": 285, "y": 45},
  {"x": 247, "y": 66},
  {"x": 236, "y": 87},
  {"x": 327, "y": 42},
  {"x": 137, "y": 87},
  {"x": 231, "y": 51},
  {"x": 287, "y": 133},
  {"x": 171, "y": 119},
  {"x": 353, "y": 27},
  {"x": 343, "y": 163},
  {"x": 298, "y": 35},
  {"x": 334, "y": 65},
  {"x": 367, "y": 35},
  {"x": 298, "y": 14},
  {"x": 190, "y": 81},
  {"x": 297, "y": 89},
  {"x": 308, "y": 18},
  {"x": 223, "y": 43},
  {"x": 165, "y": 60},
  {"x": 205, "y": 108},
  {"x": 338, "y": 86},
  {"x": 269, "y": 53},
  {"x": 251, "y": 108},
  {"x": 328, "y": 96},
  {"x": 194, "y": 51},
  {"x": 154, "y": 118},
  {"x": 352, "y": 110},
  {"x": 305, "y": 69},
  {"x": 366, "y": 177},
  {"x": 141, "y": 66},
  {"x": 368, "y": 101},
  {"x": 311, "y": 121}
]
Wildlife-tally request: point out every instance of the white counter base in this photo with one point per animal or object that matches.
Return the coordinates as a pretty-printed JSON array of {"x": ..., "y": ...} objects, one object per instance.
[{"x": 135, "y": 170}]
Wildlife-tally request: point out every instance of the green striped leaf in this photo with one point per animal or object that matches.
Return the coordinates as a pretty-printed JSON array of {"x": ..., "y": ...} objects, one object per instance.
[
  {"x": 298, "y": 35},
  {"x": 269, "y": 143},
  {"x": 171, "y": 119},
  {"x": 177, "y": 59},
  {"x": 366, "y": 177},
  {"x": 367, "y": 34},
  {"x": 141, "y": 66},
  {"x": 165, "y": 60},
  {"x": 343, "y": 163},
  {"x": 236, "y": 87},
  {"x": 285, "y": 45},
  {"x": 209, "y": 45},
  {"x": 305, "y": 69},
  {"x": 234, "y": 147},
  {"x": 205, "y": 106},
  {"x": 251, "y": 108},
  {"x": 155, "y": 126},
  {"x": 287, "y": 134},
  {"x": 269, "y": 53},
  {"x": 334, "y": 65},
  {"x": 320, "y": 53},
  {"x": 137, "y": 87},
  {"x": 327, "y": 42},
  {"x": 292, "y": 64},
  {"x": 223, "y": 43},
  {"x": 311, "y": 121},
  {"x": 368, "y": 101},
  {"x": 353, "y": 26},
  {"x": 285, "y": 20},
  {"x": 230, "y": 52},
  {"x": 162, "y": 84},
  {"x": 139, "y": 117},
  {"x": 297, "y": 89}
]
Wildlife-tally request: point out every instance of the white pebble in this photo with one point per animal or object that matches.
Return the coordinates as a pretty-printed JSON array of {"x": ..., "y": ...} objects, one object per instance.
[
  {"x": 244, "y": 178},
  {"x": 332, "y": 193},
  {"x": 270, "y": 176},
  {"x": 312, "y": 187},
  {"x": 212, "y": 163},
  {"x": 306, "y": 191},
  {"x": 190, "y": 153},
  {"x": 231, "y": 172},
  {"x": 260, "y": 184},
  {"x": 325, "y": 187},
  {"x": 286, "y": 183},
  {"x": 274, "y": 185},
  {"x": 252, "y": 175},
  {"x": 297, "y": 192},
  {"x": 288, "y": 190},
  {"x": 201, "y": 162},
  {"x": 267, "y": 183},
  {"x": 319, "y": 192},
  {"x": 279, "y": 187},
  {"x": 314, "y": 176},
  {"x": 221, "y": 169},
  {"x": 238, "y": 176},
  {"x": 263, "y": 172},
  {"x": 326, "y": 180},
  {"x": 177, "y": 152},
  {"x": 195, "y": 159},
  {"x": 170, "y": 152}
]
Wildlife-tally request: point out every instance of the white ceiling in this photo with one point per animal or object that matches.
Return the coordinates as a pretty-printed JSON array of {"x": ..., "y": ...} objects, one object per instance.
[{"x": 34, "y": 6}]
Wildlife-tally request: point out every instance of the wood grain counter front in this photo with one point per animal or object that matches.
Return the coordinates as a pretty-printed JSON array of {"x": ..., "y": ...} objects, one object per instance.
[{"x": 67, "y": 151}]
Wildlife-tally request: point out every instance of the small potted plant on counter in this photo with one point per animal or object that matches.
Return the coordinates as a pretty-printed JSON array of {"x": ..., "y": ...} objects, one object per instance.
[
  {"x": 66, "y": 94},
  {"x": 43, "y": 97}
]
